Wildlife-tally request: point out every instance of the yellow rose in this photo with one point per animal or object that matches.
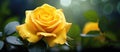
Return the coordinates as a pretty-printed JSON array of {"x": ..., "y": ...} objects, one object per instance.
[
  {"x": 90, "y": 26},
  {"x": 45, "y": 22}
]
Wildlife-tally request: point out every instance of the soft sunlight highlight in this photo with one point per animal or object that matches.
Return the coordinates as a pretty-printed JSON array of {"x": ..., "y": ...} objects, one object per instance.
[{"x": 65, "y": 2}]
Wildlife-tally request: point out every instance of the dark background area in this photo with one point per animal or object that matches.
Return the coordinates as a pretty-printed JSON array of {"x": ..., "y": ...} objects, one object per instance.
[{"x": 78, "y": 12}]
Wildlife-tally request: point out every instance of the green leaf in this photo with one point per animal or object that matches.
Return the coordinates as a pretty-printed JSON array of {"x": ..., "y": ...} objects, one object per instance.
[
  {"x": 10, "y": 27},
  {"x": 74, "y": 32},
  {"x": 93, "y": 32},
  {"x": 11, "y": 19},
  {"x": 4, "y": 8},
  {"x": 38, "y": 47},
  {"x": 15, "y": 34},
  {"x": 1, "y": 44},
  {"x": 92, "y": 42},
  {"x": 74, "y": 35},
  {"x": 110, "y": 36},
  {"x": 14, "y": 40},
  {"x": 103, "y": 24},
  {"x": 91, "y": 15}
]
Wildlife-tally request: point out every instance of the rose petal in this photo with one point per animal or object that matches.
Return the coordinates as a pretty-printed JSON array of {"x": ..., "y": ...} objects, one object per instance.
[
  {"x": 48, "y": 8},
  {"x": 40, "y": 22},
  {"x": 68, "y": 25},
  {"x": 44, "y": 9},
  {"x": 26, "y": 34},
  {"x": 28, "y": 12},
  {"x": 57, "y": 19},
  {"x": 60, "y": 13},
  {"x": 54, "y": 25},
  {"x": 38, "y": 16},
  {"x": 46, "y": 34},
  {"x": 38, "y": 25},
  {"x": 59, "y": 39},
  {"x": 30, "y": 25},
  {"x": 90, "y": 26},
  {"x": 59, "y": 27},
  {"x": 63, "y": 21}
]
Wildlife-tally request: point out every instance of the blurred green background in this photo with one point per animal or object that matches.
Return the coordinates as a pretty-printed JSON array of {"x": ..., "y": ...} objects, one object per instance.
[{"x": 78, "y": 12}]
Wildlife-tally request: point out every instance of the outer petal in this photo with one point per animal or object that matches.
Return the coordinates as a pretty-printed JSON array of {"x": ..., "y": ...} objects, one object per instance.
[
  {"x": 30, "y": 25},
  {"x": 46, "y": 34},
  {"x": 62, "y": 24},
  {"x": 26, "y": 34},
  {"x": 68, "y": 25},
  {"x": 28, "y": 13},
  {"x": 59, "y": 39},
  {"x": 91, "y": 26},
  {"x": 59, "y": 27},
  {"x": 47, "y": 8}
]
